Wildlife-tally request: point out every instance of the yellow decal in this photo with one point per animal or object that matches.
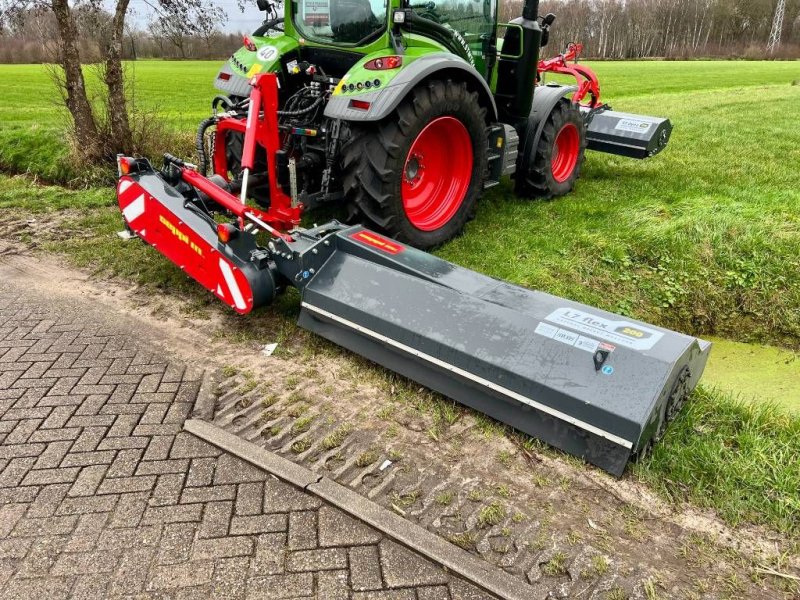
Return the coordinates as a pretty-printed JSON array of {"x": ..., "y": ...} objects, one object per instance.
[
  {"x": 180, "y": 235},
  {"x": 254, "y": 70},
  {"x": 339, "y": 86}
]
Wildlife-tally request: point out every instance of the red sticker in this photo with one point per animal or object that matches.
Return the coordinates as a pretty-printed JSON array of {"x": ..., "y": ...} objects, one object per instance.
[{"x": 378, "y": 241}]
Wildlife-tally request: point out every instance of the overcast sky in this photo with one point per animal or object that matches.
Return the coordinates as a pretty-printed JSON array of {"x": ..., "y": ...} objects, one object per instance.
[{"x": 141, "y": 14}]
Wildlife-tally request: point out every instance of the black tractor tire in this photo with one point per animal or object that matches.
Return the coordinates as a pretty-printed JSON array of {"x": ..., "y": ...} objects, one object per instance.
[
  {"x": 375, "y": 157},
  {"x": 535, "y": 177}
]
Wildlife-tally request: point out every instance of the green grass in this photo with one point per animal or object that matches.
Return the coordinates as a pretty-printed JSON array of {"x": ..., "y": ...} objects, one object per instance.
[
  {"x": 704, "y": 238},
  {"x": 737, "y": 458}
]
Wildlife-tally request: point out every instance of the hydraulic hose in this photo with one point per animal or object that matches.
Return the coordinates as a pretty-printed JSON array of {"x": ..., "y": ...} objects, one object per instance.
[
  {"x": 302, "y": 111},
  {"x": 202, "y": 159}
]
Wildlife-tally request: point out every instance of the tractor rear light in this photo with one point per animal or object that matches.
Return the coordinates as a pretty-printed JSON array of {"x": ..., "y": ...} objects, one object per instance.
[
  {"x": 248, "y": 43},
  {"x": 360, "y": 104},
  {"x": 224, "y": 76},
  {"x": 226, "y": 232},
  {"x": 124, "y": 164},
  {"x": 384, "y": 63}
]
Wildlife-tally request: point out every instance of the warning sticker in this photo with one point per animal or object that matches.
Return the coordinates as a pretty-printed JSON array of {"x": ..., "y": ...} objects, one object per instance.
[
  {"x": 378, "y": 241},
  {"x": 581, "y": 342},
  {"x": 634, "y": 125},
  {"x": 621, "y": 333}
]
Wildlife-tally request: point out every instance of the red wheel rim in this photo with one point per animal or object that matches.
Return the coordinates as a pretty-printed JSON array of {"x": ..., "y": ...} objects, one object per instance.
[
  {"x": 437, "y": 173},
  {"x": 565, "y": 152}
]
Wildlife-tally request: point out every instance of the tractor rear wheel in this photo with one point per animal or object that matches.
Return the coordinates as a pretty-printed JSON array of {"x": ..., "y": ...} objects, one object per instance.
[
  {"x": 418, "y": 174},
  {"x": 552, "y": 168}
]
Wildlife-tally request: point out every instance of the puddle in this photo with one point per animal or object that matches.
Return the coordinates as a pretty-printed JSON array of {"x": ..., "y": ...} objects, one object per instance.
[{"x": 755, "y": 372}]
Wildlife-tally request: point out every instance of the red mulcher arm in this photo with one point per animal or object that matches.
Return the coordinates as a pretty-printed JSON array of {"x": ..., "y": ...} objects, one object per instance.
[
  {"x": 259, "y": 128},
  {"x": 588, "y": 83}
]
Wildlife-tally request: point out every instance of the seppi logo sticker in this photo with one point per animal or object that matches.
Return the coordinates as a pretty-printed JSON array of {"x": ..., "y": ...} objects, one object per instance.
[
  {"x": 621, "y": 333},
  {"x": 377, "y": 241}
]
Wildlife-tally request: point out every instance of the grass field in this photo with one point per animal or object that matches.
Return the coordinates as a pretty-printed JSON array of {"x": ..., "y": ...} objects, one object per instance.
[{"x": 704, "y": 238}]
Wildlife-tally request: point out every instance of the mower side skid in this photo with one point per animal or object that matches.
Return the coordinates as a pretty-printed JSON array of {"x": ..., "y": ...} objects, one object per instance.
[{"x": 591, "y": 383}]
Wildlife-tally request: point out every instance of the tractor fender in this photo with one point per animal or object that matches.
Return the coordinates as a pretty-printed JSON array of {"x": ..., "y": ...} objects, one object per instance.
[
  {"x": 545, "y": 99},
  {"x": 385, "y": 100}
]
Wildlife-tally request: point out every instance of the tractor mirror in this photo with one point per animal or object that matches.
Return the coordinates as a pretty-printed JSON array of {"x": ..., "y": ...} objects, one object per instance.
[
  {"x": 548, "y": 19},
  {"x": 263, "y": 5}
]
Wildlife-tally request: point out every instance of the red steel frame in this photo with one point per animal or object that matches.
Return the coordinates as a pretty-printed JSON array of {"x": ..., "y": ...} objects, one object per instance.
[
  {"x": 588, "y": 85},
  {"x": 259, "y": 128}
]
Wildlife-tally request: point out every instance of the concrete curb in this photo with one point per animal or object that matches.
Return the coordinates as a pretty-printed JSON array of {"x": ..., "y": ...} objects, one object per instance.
[
  {"x": 204, "y": 403},
  {"x": 411, "y": 535}
]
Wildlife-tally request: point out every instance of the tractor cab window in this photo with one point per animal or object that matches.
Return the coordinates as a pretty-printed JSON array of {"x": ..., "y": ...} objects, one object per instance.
[
  {"x": 351, "y": 22},
  {"x": 472, "y": 20}
]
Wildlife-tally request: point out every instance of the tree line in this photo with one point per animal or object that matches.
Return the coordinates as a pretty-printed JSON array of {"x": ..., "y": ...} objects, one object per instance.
[
  {"x": 31, "y": 35},
  {"x": 619, "y": 29}
]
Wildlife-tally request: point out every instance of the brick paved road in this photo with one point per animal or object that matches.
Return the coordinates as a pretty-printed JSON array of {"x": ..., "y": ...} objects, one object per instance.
[{"x": 103, "y": 496}]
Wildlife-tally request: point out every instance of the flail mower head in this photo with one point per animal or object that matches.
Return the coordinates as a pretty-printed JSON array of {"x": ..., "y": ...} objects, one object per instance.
[{"x": 594, "y": 384}]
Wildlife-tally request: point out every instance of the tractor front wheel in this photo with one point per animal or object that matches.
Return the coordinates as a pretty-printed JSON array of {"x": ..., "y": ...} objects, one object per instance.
[
  {"x": 418, "y": 174},
  {"x": 552, "y": 168}
]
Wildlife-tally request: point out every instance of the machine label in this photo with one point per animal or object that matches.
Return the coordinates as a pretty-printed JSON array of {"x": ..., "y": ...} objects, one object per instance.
[
  {"x": 570, "y": 338},
  {"x": 621, "y": 333},
  {"x": 377, "y": 241},
  {"x": 633, "y": 125}
]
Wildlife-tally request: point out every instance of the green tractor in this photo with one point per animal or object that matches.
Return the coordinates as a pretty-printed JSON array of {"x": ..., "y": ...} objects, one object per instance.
[{"x": 406, "y": 111}]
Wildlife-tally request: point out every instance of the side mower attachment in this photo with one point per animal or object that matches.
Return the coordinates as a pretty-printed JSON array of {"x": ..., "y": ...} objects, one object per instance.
[{"x": 594, "y": 384}]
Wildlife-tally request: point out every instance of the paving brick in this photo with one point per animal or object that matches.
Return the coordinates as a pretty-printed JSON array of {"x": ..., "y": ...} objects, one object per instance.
[
  {"x": 323, "y": 559},
  {"x": 183, "y": 575},
  {"x": 83, "y": 459},
  {"x": 258, "y": 524},
  {"x": 365, "y": 572},
  {"x": 48, "y": 476},
  {"x": 87, "y": 504},
  {"x": 88, "y": 480},
  {"x": 9, "y": 515},
  {"x": 175, "y": 545},
  {"x": 15, "y": 472},
  {"x": 53, "y": 455},
  {"x": 332, "y": 585},
  {"x": 302, "y": 530},
  {"x": 84, "y": 563},
  {"x": 168, "y": 489},
  {"x": 157, "y": 467},
  {"x": 216, "y": 519},
  {"x": 201, "y": 474},
  {"x": 129, "y": 510},
  {"x": 125, "y": 463},
  {"x": 52, "y": 588},
  {"x": 222, "y": 547},
  {"x": 249, "y": 498},
  {"x": 48, "y": 500},
  {"x": 439, "y": 592},
  {"x": 230, "y": 577},
  {"x": 188, "y": 446},
  {"x": 234, "y": 470},
  {"x": 407, "y": 594},
  {"x": 208, "y": 494},
  {"x": 401, "y": 567},
  {"x": 273, "y": 587},
  {"x": 132, "y": 571},
  {"x": 14, "y": 547},
  {"x": 339, "y": 529},
  {"x": 159, "y": 447},
  {"x": 91, "y": 587},
  {"x": 121, "y": 485},
  {"x": 270, "y": 557},
  {"x": 173, "y": 514}
]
